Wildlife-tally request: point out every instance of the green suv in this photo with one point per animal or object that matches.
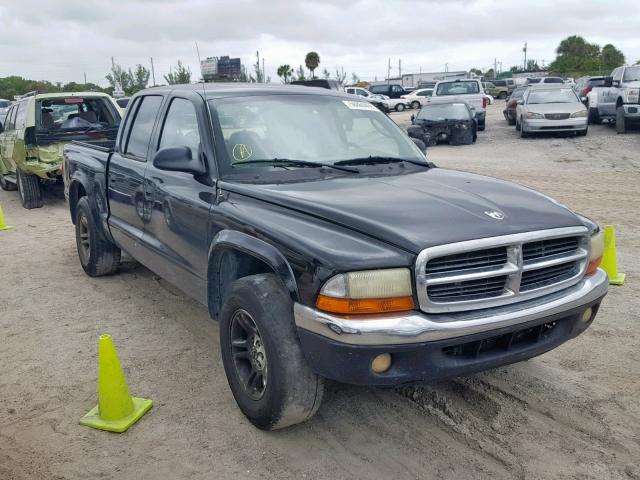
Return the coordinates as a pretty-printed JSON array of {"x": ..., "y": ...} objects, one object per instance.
[{"x": 36, "y": 129}]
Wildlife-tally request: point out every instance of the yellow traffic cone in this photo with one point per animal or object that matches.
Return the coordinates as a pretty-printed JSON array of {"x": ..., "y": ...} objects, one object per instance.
[
  {"x": 116, "y": 410},
  {"x": 609, "y": 262},
  {"x": 3, "y": 224}
]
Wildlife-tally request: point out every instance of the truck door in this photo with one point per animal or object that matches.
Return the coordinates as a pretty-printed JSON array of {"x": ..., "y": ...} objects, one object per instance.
[
  {"x": 128, "y": 209},
  {"x": 7, "y": 140},
  {"x": 177, "y": 233}
]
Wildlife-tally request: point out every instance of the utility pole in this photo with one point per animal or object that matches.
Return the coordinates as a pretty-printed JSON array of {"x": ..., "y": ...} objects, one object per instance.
[
  {"x": 525, "y": 56},
  {"x": 495, "y": 67},
  {"x": 389, "y": 72},
  {"x": 85, "y": 78},
  {"x": 153, "y": 73},
  {"x": 264, "y": 73},
  {"x": 258, "y": 65},
  {"x": 446, "y": 68},
  {"x": 400, "y": 68}
]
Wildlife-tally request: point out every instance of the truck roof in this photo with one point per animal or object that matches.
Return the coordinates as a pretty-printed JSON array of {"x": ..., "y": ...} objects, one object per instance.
[{"x": 217, "y": 90}]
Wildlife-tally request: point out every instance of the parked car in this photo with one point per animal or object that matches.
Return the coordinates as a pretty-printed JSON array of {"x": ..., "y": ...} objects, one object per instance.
[
  {"x": 329, "y": 84},
  {"x": 418, "y": 98},
  {"x": 390, "y": 90},
  {"x": 549, "y": 108},
  {"x": 544, "y": 80},
  {"x": 619, "y": 99},
  {"x": 512, "y": 103},
  {"x": 509, "y": 83},
  {"x": 467, "y": 91},
  {"x": 37, "y": 128},
  {"x": 453, "y": 123},
  {"x": 317, "y": 234},
  {"x": 380, "y": 101},
  {"x": 425, "y": 84},
  {"x": 500, "y": 92},
  {"x": 584, "y": 85}
]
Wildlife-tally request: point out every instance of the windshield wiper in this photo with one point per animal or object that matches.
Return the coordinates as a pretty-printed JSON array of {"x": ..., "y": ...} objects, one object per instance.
[
  {"x": 374, "y": 160},
  {"x": 296, "y": 163}
]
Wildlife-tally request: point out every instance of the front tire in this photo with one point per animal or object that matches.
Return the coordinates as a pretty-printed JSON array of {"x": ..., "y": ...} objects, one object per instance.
[
  {"x": 98, "y": 256},
  {"x": 6, "y": 185},
  {"x": 520, "y": 128},
  {"x": 268, "y": 375},
  {"x": 29, "y": 190},
  {"x": 621, "y": 121}
]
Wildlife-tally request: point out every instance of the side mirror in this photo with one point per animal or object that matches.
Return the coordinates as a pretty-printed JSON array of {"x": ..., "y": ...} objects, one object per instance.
[
  {"x": 178, "y": 159},
  {"x": 420, "y": 144},
  {"x": 608, "y": 81}
]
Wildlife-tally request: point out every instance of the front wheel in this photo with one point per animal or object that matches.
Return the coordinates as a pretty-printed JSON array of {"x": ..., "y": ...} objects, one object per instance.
[
  {"x": 520, "y": 128},
  {"x": 268, "y": 375},
  {"x": 29, "y": 190},
  {"x": 621, "y": 121},
  {"x": 6, "y": 184},
  {"x": 98, "y": 256},
  {"x": 400, "y": 107}
]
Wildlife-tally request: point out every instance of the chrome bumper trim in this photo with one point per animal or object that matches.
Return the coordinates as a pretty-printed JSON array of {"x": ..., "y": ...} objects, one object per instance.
[{"x": 416, "y": 327}]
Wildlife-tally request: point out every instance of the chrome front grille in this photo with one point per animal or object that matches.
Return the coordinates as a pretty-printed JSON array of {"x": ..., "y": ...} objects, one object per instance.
[
  {"x": 556, "y": 116},
  {"x": 500, "y": 270}
]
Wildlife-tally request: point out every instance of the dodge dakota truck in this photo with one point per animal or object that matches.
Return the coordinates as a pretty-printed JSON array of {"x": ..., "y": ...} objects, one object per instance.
[{"x": 326, "y": 245}]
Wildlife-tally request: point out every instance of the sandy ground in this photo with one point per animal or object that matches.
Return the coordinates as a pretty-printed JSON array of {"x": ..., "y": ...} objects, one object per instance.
[{"x": 572, "y": 413}]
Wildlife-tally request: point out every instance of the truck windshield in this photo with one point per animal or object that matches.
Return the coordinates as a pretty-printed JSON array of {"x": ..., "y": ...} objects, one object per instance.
[
  {"x": 76, "y": 114},
  {"x": 556, "y": 95},
  {"x": 457, "y": 88},
  {"x": 631, "y": 74},
  {"x": 307, "y": 128}
]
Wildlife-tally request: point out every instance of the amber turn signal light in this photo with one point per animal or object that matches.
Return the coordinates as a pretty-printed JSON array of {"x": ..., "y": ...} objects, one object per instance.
[
  {"x": 593, "y": 266},
  {"x": 351, "y": 306}
]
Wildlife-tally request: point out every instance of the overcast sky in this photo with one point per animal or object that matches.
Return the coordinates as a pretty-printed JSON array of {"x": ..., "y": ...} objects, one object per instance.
[{"x": 60, "y": 40}]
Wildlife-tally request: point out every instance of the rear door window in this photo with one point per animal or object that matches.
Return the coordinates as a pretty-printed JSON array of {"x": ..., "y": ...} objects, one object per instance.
[
  {"x": 11, "y": 118},
  {"x": 180, "y": 127},
  {"x": 142, "y": 127},
  {"x": 21, "y": 115}
]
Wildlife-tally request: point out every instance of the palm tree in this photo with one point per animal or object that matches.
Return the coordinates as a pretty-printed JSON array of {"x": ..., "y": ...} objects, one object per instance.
[
  {"x": 284, "y": 72},
  {"x": 312, "y": 60}
]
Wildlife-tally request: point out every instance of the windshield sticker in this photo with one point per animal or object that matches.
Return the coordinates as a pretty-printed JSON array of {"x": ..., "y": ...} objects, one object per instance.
[
  {"x": 353, "y": 105},
  {"x": 241, "y": 152}
]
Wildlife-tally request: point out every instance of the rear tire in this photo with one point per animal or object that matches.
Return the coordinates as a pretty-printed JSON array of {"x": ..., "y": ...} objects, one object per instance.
[
  {"x": 400, "y": 107},
  {"x": 502, "y": 95},
  {"x": 98, "y": 256},
  {"x": 621, "y": 121},
  {"x": 29, "y": 190},
  {"x": 6, "y": 185},
  {"x": 594, "y": 117},
  {"x": 268, "y": 375},
  {"x": 511, "y": 121},
  {"x": 415, "y": 105}
]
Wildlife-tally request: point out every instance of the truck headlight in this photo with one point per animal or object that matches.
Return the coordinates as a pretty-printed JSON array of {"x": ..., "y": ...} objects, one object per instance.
[
  {"x": 580, "y": 114},
  {"x": 596, "y": 251},
  {"x": 368, "y": 291},
  {"x": 534, "y": 115},
  {"x": 632, "y": 94}
]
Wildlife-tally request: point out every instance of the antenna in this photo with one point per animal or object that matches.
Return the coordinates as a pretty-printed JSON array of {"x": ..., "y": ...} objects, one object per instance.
[{"x": 204, "y": 91}]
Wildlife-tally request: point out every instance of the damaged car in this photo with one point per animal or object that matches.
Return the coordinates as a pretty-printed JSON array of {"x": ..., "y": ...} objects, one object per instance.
[
  {"x": 36, "y": 129},
  {"x": 454, "y": 123}
]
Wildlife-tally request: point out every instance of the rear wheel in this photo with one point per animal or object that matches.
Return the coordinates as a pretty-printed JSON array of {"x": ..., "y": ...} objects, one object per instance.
[
  {"x": 415, "y": 104},
  {"x": 502, "y": 95},
  {"x": 6, "y": 184},
  {"x": 594, "y": 116},
  {"x": 268, "y": 375},
  {"x": 621, "y": 121},
  {"x": 29, "y": 190},
  {"x": 98, "y": 256},
  {"x": 400, "y": 107}
]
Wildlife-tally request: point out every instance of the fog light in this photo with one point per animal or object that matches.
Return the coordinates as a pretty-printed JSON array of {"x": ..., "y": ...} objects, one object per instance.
[
  {"x": 587, "y": 314},
  {"x": 381, "y": 363}
]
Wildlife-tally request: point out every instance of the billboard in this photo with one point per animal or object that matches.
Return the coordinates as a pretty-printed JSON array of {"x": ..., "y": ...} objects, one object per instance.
[{"x": 209, "y": 67}]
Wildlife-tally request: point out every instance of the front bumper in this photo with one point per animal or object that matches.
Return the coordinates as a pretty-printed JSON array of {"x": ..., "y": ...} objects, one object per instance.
[
  {"x": 632, "y": 110},
  {"x": 544, "y": 125},
  {"x": 342, "y": 349}
]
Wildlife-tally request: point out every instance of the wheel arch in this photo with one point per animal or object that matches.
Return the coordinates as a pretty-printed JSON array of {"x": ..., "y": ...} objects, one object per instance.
[
  {"x": 77, "y": 190},
  {"x": 233, "y": 255}
]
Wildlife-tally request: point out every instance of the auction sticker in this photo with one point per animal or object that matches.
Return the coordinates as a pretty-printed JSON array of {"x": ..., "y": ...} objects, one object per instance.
[
  {"x": 353, "y": 105},
  {"x": 241, "y": 152}
]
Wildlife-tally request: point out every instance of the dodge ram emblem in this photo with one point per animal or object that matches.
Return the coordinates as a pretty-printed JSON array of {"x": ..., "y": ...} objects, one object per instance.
[{"x": 495, "y": 214}]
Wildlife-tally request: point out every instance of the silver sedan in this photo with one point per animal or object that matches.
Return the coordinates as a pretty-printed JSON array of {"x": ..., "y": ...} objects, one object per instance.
[{"x": 550, "y": 109}]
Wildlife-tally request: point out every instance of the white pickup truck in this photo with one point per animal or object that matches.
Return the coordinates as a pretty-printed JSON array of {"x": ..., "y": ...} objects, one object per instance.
[
  {"x": 465, "y": 90},
  {"x": 619, "y": 99}
]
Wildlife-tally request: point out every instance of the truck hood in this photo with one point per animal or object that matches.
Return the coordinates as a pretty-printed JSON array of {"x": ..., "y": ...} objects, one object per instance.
[{"x": 420, "y": 210}]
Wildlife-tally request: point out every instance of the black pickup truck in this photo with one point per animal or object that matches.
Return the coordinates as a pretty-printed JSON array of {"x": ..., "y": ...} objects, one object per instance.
[{"x": 317, "y": 234}]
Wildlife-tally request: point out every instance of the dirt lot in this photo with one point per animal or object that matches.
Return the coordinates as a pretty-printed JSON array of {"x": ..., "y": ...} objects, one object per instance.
[{"x": 572, "y": 413}]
